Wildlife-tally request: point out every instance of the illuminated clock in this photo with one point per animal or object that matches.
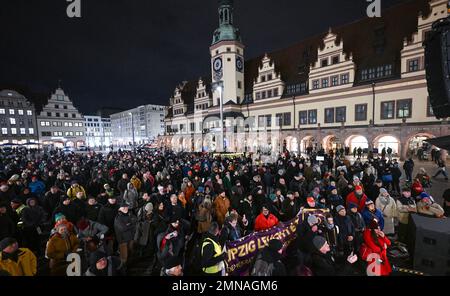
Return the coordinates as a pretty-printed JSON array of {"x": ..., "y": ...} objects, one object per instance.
[{"x": 217, "y": 64}]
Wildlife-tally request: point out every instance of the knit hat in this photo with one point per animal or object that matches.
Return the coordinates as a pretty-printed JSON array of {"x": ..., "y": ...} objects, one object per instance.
[
  {"x": 6, "y": 242},
  {"x": 95, "y": 257},
  {"x": 59, "y": 216},
  {"x": 339, "y": 208},
  {"x": 312, "y": 220},
  {"x": 332, "y": 188},
  {"x": 275, "y": 245},
  {"x": 406, "y": 189},
  {"x": 369, "y": 202},
  {"x": 310, "y": 199},
  {"x": 172, "y": 262},
  {"x": 424, "y": 195},
  {"x": 74, "y": 182},
  {"x": 319, "y": 242},
  {"x": 383, "y": 191},
  {"x": 352, "y": 205},
  {"x": 200, "y": 189},
  {"x": 174, "y": 218},
  {"x": 358, "y": 188},
  {"x": 148, "y": 207}
]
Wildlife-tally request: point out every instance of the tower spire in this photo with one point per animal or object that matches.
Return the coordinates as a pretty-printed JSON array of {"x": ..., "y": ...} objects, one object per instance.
[{"x": 226, "y": 30}]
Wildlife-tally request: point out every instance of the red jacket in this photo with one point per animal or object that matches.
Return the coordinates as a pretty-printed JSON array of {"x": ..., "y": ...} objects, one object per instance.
[
  {"x": 361, "y": 203},
  {"x": 370, "y": 246},
  {"x": 263, "y": 223}
]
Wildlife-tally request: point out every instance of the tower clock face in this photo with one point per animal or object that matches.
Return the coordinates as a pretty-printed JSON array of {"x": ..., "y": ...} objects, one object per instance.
[
  {"x": 239, "y": 64},
  {"x": 217, "y": 64}
]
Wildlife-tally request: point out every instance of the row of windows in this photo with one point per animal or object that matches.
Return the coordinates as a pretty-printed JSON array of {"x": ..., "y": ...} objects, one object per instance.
[
  {"x": 414, "y": 65},
  {"x": 325, "y": 62},
  {"x": 296, "y": 88},
  {"x": 330, "y": 81},
  {"x": 64, "y": 106},
  {"x": 201, "y": 95},
  {"x": 60, "y": 123},
  {"x": 399, "y": 108},
  {"x": 177, "y": 111},
  {"x": 13, "y": 112},
  {"x": 201, "y": 106},
  {"x": 13, "y": 121},
  {"x": 378, "y": 72},
  {"x": 60, "y": 134},
  {"x": 264, "y": 78},
  {"x": 330, "y": 113},
  {"x": 98, "y": 124},
  {"x": 22, "y": 131},
  {"x": 12, "y": 104},
  {"x": 271, "y": 93},
  {"x": 57, "y": 114}
]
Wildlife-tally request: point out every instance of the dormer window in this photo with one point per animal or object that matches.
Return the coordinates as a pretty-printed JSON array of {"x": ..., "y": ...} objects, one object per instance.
[
  {"x": 269, "y": 77},
  {"x": 335, "y": 60},
  {"x": 263, "y": 78},
  {"x": 324, "y": 62}
]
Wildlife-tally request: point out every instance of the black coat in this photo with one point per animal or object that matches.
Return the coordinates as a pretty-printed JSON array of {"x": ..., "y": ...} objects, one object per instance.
[
  {"x": 305, "y": 238},
  {"x": 7, "y": 226},
  {"x": 324, "y": 265},
  {"x": 71, "y": 211},
  {"x": 124, "y": 227},
  {"x": 51, "y": 201},
  {"x": 272, "y": 257},
  {"x": 107, "y": 215},
  {"x": 93, "y": 211}
]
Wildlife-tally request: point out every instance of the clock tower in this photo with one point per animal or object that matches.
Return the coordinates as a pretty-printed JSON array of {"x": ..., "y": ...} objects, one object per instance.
[{"x": 227, "y": 57}]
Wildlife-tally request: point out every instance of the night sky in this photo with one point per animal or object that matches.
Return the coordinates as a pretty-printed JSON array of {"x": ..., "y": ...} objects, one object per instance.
[{"x": 125, "y": 53}]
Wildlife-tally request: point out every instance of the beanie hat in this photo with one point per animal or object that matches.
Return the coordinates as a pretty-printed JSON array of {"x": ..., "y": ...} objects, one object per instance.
[
  {"x": 369, "y": 202},
  {"x": 406, "y": 189},
  {"x": 352, "y": 205},
  {"x": 339, "y": 208},
  {"x": 14, "y": 178},
  {"x": 319, "y": 242},
  {"x": 275, "y": 245},
  {"x": 59, "y": 216},
  {"x": 332, "y": 188},
  {"x": 148, "y": 207},
  {"x": 424, "y": 195},
  {"x": 358, "y": 188},
  {"x": 383, "y": 191},
  {"x": 174, "y": 218},
  {"x": 6, "y": 242},
  {"x": 312, "y": 220},
  {"x": 310, "y": 199}
]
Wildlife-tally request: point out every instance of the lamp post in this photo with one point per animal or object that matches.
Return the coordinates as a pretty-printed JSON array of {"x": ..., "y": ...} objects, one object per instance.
[
  {"x": 373, "y": 103},
  {"x": 132, "y": 129},
  {"x": 219, "y": 87}
]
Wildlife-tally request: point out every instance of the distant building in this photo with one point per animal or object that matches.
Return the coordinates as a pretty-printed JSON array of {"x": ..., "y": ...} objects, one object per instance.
[
  {"x": 147, "y": 123},
  {"x": 97, "y": 131},
  {"x": 17, "y": 120},
  {"x": 59, "y": 123},
  {"x": 106, "y": 112}
]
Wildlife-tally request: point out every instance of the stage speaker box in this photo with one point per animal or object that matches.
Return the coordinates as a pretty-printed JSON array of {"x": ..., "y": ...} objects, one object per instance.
[
  {"x": 431, "y": 244},
  {"x": 437, "y": 67}
]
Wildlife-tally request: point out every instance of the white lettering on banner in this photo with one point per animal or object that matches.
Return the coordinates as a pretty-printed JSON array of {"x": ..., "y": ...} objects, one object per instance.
[
  {"x": 374, "y": 268},
  {"x": 74, "y": 267},
  {"x": 74, "y": 8},
  {"x": 374, "y": 8}
]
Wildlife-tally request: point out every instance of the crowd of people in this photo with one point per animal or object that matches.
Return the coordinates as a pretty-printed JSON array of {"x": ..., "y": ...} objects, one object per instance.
[{"x": 178, "y": 210}]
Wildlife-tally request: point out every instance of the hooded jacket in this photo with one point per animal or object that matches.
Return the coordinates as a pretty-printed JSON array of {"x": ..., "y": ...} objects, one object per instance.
[
  {"x": 33, "y": 216},
  {"x": 26, "y": 264}
]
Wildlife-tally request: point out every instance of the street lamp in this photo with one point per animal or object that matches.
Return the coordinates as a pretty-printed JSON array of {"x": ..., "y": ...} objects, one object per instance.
[
  {"x": 373, "y": 103},
  {"x": 132, "y": 128},
  {"x": 219, "y": 87}
]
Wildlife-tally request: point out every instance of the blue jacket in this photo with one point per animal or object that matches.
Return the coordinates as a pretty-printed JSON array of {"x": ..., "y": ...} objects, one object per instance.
[
  {"x": 368, "y": 216},
  {"x": 37, "y": 188}
]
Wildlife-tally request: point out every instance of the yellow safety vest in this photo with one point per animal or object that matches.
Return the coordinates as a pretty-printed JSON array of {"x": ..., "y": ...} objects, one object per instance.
[{"x": 218, "y": 249}]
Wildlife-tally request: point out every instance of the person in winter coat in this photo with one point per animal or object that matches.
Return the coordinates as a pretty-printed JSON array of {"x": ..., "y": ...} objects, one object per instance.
[
  {"x": 408, "y": 166},
  {"x": 16, "y": 261},
  {"x": 101, "y": 264},
  {"x": 212, "y": 253},
  {"x": 171, "y": 242},
  {"x": 265, "y": 220},
  {"x": 221, "y": 206},
  {"x": 374, "y": 190},
  {"x": 59, "y": 246},
  {"x": 33, "y": 216},
  {"x": 130, "y": 196},
  {"x": 388, "y": 207},
  {"x": 52, "y": 199},
  {"x": 323, "y": 262},
  {"x": 136, "y": 183},
  {"x": 358, "y": 225},
  {"x": 92, "y": 208},
  {"x": 416, "y": 187},
  {"x": 346, "y": 230},
  {"x": 268, "y": 261},
  {"x": 122, "y": 184},
  {"x": 107, "y": 216},
  {"x": 426, "y": 206},
  {"x": 74, "y": 189},
  {"x": 231, "y": 230},
  {"x": 7, "y": 225},
  {"x": 125, "y": 228},
  {"x": 72, "y": 212},
  {"x": 376, "y": 242},
  {"x": 174, "y": 207},
  {"x": 37, "y": 187},
  {"x": 371, "y": 212},
  {"x": 333, "y": 199},
  {"x": 289, "y": 207},
  {"x": 89, "y": 230},
  {"x": 204, "y": 216},
  {"x": 405, "y": 205},
  {"x": 357, "y": 197}
]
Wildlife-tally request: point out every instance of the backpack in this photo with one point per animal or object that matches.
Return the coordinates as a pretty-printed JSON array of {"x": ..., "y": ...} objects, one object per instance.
[{"x": 261, "y": 267}]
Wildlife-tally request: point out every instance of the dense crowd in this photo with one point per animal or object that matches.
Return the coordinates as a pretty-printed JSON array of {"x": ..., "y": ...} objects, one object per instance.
[{"x": 178, "y": 210}]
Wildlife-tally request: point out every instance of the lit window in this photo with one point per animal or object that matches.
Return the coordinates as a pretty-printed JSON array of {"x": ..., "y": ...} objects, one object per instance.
[
  {"x": 22, "y": 131},
  {"x": 11, "y": 111},
  {"x": 2, "y": 111},
  {"x": 4, "y": 131},
  {"x": 14, "y": 131},
  {"x": 20, "y": 112},
  {"x": 29, "y": 112},
  {"x": 31, "y": 130},
  {"x": 12, "y": 121}
]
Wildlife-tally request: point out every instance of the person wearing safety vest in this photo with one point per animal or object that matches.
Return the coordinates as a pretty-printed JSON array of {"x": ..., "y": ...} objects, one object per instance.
[{"x": 213, "y": 254}]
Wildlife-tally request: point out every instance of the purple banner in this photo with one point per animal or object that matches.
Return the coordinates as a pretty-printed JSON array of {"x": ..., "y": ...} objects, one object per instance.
[{"x": 241, "y": 252}]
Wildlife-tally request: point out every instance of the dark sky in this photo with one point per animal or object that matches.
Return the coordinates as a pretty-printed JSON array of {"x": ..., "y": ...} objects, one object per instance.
[{"x": 124, "y": 53}]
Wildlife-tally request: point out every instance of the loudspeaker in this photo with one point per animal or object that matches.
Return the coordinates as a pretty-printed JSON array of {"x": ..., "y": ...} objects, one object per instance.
[
  {"x": 431, "y": 239},
  {"x": 437, "y": 67}
]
